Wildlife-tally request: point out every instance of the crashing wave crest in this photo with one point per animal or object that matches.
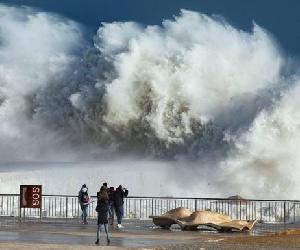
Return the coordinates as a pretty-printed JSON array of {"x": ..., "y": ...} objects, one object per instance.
[
  {"x": 194, "y": 86},
  {"x": 176, "y": 88}
]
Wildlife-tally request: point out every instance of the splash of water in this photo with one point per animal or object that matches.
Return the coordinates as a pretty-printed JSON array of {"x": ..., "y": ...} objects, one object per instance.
[
  {"x": 194, "y": 88},
  {"x": 171, "y": 89}
]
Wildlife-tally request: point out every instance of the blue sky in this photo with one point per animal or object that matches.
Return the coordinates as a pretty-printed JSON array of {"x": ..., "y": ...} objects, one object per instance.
[{"x": 280, "y": 17}]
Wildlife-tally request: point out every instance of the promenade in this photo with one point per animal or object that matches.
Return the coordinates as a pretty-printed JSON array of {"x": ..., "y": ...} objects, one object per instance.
[
  {"x": 60, "y": 226},
  {"x": 62, "y": 234}
]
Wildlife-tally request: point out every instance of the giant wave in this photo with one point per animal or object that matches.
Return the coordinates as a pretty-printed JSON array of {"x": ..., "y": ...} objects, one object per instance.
[{"x": 219, "y": 102}]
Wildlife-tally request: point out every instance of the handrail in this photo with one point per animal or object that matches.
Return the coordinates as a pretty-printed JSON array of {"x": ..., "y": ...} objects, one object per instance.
[
  {"x": 172, "y": 198},
  {"x": 141, "y": 207}
]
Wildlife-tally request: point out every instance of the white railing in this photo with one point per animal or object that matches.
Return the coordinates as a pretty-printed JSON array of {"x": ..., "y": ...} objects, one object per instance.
[{"x": 66, "y": 206}]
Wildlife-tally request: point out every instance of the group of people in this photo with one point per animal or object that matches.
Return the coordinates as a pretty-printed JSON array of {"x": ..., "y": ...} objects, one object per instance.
[{"x": 110, "y": 201}]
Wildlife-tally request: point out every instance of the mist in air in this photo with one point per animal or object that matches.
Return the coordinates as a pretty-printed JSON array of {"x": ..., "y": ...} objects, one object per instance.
[{"x": 214, "y": 106}]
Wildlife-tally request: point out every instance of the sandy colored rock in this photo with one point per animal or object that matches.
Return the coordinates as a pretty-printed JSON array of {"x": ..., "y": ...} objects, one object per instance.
[
  {"x": 241, "y": 225},
  {"x": 202, "y": 218},
  {"x": 190, "y": 221},
  {"x": 218, "y": 221},
  {"x": 169, "y": 218}
]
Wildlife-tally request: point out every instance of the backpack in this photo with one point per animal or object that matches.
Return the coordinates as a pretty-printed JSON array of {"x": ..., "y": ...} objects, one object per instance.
[{"x": 84, "y": 198}]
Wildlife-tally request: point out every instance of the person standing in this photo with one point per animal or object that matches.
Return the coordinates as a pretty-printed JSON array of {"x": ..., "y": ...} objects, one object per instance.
[
  {"x": 102, "y": 210},
  {"x": 119, "y": 195},
  {"x": 111, "y": 210},
  {"x": 83, "y": 198},
  {"x": 103, "y": 194}
]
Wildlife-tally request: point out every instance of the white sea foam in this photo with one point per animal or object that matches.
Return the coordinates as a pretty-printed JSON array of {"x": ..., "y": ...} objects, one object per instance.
[
  {"x": 191, "y": 69},
  {"x": 216, "y": 102},
  {"x": 265, "y": 162},
  {"x": 36, "y": 49}
]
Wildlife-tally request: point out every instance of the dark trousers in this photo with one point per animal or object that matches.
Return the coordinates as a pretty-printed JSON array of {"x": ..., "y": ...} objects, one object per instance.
[
  {"x": 111, "y": 212},
  {"x": 119, "y": 213}
]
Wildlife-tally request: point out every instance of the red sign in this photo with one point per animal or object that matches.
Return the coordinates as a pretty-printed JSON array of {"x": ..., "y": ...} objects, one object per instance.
[{"x": 30, "y": 196}]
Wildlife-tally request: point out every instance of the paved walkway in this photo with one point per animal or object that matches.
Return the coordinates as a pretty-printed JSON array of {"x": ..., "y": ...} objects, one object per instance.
[{"x": 60, "y": 234}]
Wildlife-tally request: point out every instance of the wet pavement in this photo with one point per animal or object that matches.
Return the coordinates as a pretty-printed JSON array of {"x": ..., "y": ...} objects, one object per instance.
[{"x": 136, "y": 234}]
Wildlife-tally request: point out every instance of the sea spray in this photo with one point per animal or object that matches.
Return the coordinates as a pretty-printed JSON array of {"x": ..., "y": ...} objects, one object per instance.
[
  {"x": 214, "y": 101},
  {"x": 164, "y": 90}
]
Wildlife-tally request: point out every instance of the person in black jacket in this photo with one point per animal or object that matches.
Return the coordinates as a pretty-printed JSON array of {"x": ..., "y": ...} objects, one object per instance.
[
  {"x": 102, "y": 210},
  {"x": 111, "y": 212},
  {"x": 119, "y": 195}
]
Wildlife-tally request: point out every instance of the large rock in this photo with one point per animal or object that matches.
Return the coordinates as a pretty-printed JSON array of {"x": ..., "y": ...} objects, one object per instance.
[
  {"x": 190, "y": 221},
  {"x": 218, "y": 221},
  {"x": 167, "y": 219}
]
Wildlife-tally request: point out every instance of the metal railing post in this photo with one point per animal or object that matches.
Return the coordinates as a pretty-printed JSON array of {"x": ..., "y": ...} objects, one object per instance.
[
  {"x": 41, "y": 208},
  {"x": 294, "y": 212},
  {"x": 284, "y": 212},
  {"x": 140, "y": 208},
  {"x": 66, "y": 208},
  {"x": 152, "y": 207}
]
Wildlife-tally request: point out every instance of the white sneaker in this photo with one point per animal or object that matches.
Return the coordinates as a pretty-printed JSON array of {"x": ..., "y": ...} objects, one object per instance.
[{"x": 120, "y": 226}]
